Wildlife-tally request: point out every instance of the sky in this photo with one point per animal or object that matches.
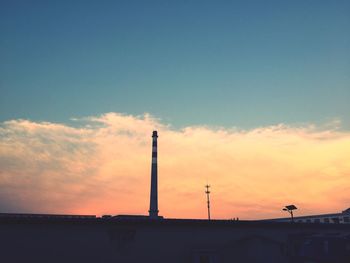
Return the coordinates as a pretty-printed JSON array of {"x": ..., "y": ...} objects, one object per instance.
[{"x": 250, "y": 96}]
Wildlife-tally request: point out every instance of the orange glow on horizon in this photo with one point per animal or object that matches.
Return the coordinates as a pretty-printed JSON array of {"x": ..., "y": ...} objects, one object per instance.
[{"x": 103, "y": 167}]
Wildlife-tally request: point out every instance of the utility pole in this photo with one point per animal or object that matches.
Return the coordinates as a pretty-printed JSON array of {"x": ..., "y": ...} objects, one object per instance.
[{"x": 208, "y": 199}]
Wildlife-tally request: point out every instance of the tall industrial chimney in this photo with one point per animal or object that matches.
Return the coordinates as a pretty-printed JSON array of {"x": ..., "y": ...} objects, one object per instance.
[{"x": 153, "y": 208}]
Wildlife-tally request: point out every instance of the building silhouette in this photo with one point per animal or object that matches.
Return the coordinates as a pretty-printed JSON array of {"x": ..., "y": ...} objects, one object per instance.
[{"x": 334, "y": 218}]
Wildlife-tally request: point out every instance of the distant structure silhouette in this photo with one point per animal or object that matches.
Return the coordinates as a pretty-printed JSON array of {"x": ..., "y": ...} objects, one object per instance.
[
  {"x": 334, "y": 218},
  {"x": 289, "y": 209},
  {"x": 153, "y": 208},
  {"x": 208, "y": 199}
]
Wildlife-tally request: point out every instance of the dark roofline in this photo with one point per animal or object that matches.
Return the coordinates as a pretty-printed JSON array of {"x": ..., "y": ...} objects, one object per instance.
[
  {"x": 346, "y": 211},
  {"x": 47, "y": 216},
  {"x": 36, "y": 219}
]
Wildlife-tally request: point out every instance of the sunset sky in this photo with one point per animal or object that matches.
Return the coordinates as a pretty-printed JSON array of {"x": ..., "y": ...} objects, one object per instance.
[{"x": 252, "y": 97}]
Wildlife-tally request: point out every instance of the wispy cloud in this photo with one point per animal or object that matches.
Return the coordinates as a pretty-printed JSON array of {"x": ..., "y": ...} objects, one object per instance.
[{"x": 102, "y": 165}]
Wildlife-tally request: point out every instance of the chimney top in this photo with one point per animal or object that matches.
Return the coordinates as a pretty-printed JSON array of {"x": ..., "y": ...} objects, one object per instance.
[{"x": 154, "y": 134}]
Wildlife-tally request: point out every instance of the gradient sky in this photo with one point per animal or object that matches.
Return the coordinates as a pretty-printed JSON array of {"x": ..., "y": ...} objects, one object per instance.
[
  {"x": 226, "y": 63},
  {"x": 253, "y": 96}
]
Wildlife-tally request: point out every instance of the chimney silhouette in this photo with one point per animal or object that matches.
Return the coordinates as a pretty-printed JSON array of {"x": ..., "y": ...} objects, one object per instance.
[{"x": 153, "y": 208}]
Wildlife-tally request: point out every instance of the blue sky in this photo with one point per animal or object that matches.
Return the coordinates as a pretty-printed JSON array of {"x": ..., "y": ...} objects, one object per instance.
[{"x": 221, "y": 63}]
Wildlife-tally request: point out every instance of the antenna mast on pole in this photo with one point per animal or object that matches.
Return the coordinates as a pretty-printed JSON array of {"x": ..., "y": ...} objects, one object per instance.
[{"x": 208, "y": 199}]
